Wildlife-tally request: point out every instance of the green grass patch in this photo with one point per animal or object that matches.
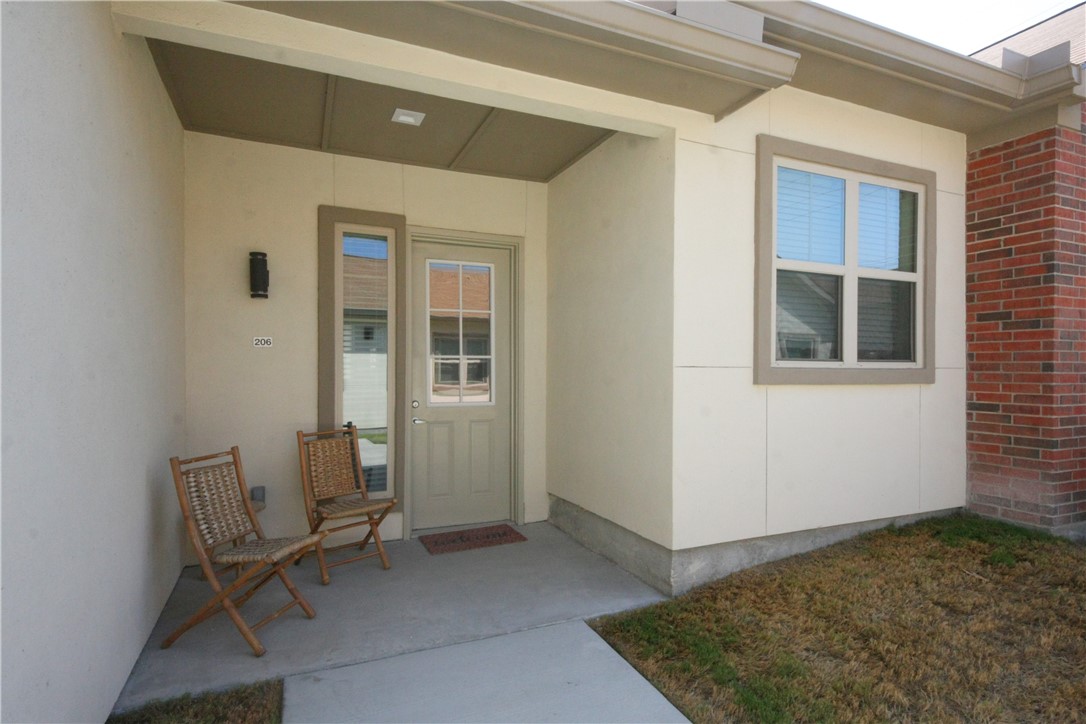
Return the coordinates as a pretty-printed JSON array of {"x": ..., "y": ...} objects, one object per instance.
[
  {"x": 949, "y": 619},
  {"x": 377, "y": 438},
  {"x": 955, "y": 530},
  {"x": 260, "y": 703}
]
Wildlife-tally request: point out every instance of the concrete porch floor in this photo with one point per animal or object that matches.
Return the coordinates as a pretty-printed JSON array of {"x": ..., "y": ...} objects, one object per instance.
[{"x": 491, "y": 634}]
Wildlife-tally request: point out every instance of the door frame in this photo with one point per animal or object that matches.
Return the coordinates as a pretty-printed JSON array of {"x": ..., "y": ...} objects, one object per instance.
[{"x": 453, "y": 238}]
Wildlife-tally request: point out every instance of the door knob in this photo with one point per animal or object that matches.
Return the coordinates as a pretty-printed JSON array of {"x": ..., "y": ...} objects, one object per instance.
[{"x": 417, "y": 421}]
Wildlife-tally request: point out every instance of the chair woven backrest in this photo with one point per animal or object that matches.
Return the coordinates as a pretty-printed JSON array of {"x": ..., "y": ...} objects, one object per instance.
[
  {"x": 331, "y": 467},
  {"x": 217, "y": 507}
]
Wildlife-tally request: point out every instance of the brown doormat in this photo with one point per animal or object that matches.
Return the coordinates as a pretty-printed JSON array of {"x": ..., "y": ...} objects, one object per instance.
[{"x": 462, "y": 540}]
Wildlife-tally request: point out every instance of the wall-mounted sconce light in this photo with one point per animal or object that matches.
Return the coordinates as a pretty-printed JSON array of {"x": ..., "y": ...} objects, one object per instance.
[{"x": 258, "y": 275}]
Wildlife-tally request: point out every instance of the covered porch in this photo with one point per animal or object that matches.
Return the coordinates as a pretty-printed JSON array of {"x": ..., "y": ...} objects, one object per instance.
[
  {"x": 511, "y": 617},
  {"x": 607, "y": 150}
]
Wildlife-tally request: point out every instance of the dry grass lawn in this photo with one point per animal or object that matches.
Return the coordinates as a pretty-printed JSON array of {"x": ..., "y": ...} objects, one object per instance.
[
  {"x": 260, "y": 703},
  {"x": 958, "y": 618}
]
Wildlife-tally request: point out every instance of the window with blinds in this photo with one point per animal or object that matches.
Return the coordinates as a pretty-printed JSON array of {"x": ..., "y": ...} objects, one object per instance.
[
  {"x": 846, "y": 254},
  {"x": 367, "y": 303},
  {"x": 845, "y": 267}
]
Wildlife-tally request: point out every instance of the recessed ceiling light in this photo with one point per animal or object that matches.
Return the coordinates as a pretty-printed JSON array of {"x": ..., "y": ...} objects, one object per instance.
[{"x": 408, "y": 118}]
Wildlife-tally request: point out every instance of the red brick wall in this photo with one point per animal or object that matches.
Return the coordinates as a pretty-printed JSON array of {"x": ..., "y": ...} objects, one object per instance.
[{"x": 1026, "y": 327}]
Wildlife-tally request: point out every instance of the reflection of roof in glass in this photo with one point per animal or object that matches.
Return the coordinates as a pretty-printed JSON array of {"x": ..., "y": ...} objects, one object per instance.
[
  {"x": 365, "y": 283},
  {"x": 445, "y": 288}
]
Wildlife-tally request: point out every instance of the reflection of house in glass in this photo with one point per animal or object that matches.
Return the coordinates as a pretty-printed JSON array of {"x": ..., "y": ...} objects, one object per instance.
[
  {"x": 885, "y": 323},
  {"x": 365, "y": 351},
  {"x": 808, "y": 319},
  {"x": 460, "y": 332}
]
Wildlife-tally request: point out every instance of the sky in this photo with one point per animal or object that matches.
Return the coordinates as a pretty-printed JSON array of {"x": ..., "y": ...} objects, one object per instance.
[{"x": 964, "y": 26}]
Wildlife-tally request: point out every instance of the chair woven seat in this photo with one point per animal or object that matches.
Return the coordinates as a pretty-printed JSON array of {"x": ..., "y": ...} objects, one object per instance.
[
  {"x": 349, "y": 508},
  {"x": 334, "y": 487},
  {"x": 225, "y": 532},
  {"x": 268, "y": 550}
]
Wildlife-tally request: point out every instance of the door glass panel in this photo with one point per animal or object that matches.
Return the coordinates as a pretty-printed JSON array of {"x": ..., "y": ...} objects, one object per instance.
[
  {"x": 477, "y": 380},
  {"x": 477, "y": 287},
  {"x": 444, "y": 286},
  {"x": 365, "y": 351},
  {"x": 444, "y": 333},
  {"x": 446, "y": 380},
  {"x": 461, "y": 331},
  {"x": 476, "y": 333}
]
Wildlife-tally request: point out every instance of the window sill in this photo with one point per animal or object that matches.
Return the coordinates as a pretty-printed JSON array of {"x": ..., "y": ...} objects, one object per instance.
[{"x": 840, "y": 376}]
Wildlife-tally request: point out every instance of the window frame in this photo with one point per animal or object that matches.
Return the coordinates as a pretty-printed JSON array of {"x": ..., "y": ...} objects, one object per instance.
[
  {"x": 332, "y": 221},
  {"x": 773, "y": 152}
]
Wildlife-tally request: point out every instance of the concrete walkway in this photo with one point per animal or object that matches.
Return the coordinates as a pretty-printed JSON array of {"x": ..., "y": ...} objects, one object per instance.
[{"x": 492, "y": 634}]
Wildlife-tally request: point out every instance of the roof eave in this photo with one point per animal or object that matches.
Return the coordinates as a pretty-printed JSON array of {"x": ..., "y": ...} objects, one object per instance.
[
  {"x": 983, "y": 95},
  {"x": 631, "y": 27}
]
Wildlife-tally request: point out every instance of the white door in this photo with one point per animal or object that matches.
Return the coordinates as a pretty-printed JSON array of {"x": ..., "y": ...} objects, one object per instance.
[{"x": 461, "y": 385}]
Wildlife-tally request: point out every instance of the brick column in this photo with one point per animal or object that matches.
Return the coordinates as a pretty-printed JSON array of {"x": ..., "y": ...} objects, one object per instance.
[{"x": 1026, "y": 327}]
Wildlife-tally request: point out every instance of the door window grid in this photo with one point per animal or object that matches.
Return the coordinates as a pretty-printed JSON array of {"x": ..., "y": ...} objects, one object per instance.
[{"x": 460, "y": 330}]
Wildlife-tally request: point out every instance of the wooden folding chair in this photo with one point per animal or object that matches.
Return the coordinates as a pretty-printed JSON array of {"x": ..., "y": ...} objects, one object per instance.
[
  {"x": 219, "y": 519},
  {"x": 335, "y": 488}
]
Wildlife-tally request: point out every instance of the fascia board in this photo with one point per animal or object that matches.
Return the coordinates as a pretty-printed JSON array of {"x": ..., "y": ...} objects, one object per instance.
[
  {"x": 822, "y": 29},
  {"x": 632, "y": 28}
]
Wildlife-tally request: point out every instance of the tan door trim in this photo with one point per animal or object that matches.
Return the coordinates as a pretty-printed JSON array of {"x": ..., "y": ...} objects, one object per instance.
[{"x": 513, "y": 245}]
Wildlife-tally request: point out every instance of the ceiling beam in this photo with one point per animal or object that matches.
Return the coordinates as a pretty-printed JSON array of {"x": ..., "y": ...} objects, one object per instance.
[
  {"x": 474, "y": 138},
  {"x": 329, "y": 106},
  {"x": 277, "y": 38}
]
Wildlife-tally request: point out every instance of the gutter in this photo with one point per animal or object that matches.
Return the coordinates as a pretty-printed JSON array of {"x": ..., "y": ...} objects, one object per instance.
[{"x": 1049, "y": 77}]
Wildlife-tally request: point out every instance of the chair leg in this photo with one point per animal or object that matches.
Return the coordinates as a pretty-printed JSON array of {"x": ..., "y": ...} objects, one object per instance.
[
  {"x": 206, "y": 611},
  {"x": 250, "y": 637},
  {"x": 222, "y": 601},
  {"x": 322, "y": 564},
  {"x": 309, "y": 612},
  {"x": 374, "y": 523}
]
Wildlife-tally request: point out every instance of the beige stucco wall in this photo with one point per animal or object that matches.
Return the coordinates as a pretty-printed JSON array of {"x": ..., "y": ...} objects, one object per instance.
[
  {"x": 243, "y": 196},
  {"x": 609, "y": 406},
  {"x": 93, "y": 355},
  {"x": 760, "y": 460}
]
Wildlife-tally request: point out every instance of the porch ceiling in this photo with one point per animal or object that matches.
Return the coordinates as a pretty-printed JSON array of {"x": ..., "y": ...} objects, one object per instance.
[
  {"x": 509, "y": 89},
  {"x": 241, "y": 97}
]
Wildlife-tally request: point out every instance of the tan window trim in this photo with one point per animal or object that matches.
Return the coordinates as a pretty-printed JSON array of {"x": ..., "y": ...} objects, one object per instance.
[{"x": 765, "y": 373}]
